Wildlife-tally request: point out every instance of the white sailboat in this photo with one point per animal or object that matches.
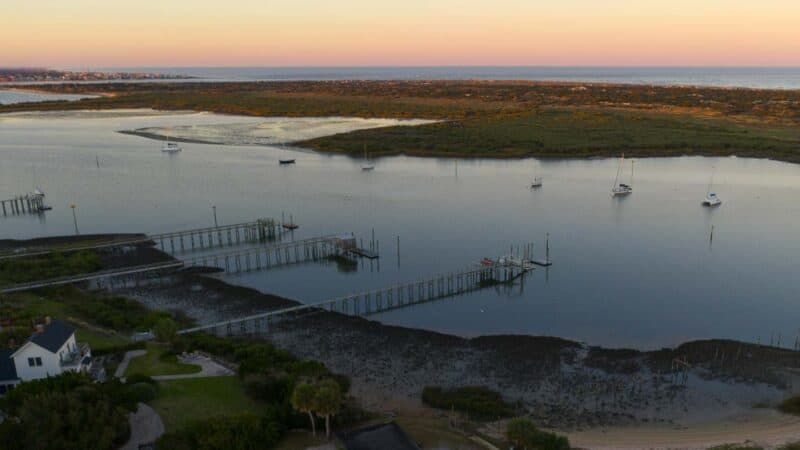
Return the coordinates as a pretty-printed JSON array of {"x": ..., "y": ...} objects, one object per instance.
[
  {"x": 171, "y": 147},
  {"x": 367, "y": 165},
  {"x": 622, "y": 188},
  {"x": 537, "y": 180},
  {"x": 711, "y": 198}
]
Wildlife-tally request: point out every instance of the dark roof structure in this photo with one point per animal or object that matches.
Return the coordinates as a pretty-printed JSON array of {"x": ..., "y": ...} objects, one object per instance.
[
  {"x": 53, "y": 336},
  {"x": 8, "y": 371},
  {"x": 384, "y": 436}
]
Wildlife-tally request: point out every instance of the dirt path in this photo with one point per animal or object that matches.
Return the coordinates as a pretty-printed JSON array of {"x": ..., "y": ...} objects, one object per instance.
[
  {"x": 764, "y": 427},
  {"x": 146, "y": 427},
  {"x": 208, "y": 368},
  {"x": 123, "y": 365}
]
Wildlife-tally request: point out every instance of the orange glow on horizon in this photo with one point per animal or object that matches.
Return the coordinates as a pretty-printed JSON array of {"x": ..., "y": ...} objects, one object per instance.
[{"x": 94, "y": 33}]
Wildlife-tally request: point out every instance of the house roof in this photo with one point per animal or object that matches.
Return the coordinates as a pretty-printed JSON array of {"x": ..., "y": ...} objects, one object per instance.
[
  {"x": 384, "y": 436},
  {"x": 54, "y": 335},
  {"x": 8, "y": 371}
]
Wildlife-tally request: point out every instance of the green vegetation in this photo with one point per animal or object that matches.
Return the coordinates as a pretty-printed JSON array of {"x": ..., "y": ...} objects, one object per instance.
[
  {"x": 494, "y": 118},
  {"x": 100, "y": 341},
  {"x": 267, "y": 378},
  {"x": 524, "y": 435},
  {"x": 478, "y": 401},
  {"x": 568, "y": 133},
  {"x": 23, "y": 270},
  {"x": 187, "y": 400},
  {"x": 791, "y": 405},
  {"x": 67, "y": 412},
  {"x": 736, "y": 447},
  {"x": 87, "y": 310},
  {"x": 238, "y": 432},
  {"x": 159, "y": 361}
]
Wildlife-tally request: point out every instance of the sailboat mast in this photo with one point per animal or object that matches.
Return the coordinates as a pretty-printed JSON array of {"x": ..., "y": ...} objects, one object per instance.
[
  {"x": 711, "y": 182},
  {"x": 616, "y": 179},
  {"x": 632, "y": 161}
]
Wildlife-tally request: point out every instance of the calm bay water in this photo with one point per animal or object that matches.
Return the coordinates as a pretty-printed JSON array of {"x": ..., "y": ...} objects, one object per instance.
[
  {"x": 8, "y": 97},
  {"x": 638, "y": 271},
  {"x": 751, "y": 77}
]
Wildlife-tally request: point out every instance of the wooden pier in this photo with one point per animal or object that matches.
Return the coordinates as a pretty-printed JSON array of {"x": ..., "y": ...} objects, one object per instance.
[
  {"x": 163, "y": 267},
  {"x": 32, "y": 203},
  {"x": 259, "y": 230},
  {"x": 260, "y": 258},
  {"x": 214, "y": 237},
  {"x": 257, "y": 258},
  {"x": 374, "y": 301}
]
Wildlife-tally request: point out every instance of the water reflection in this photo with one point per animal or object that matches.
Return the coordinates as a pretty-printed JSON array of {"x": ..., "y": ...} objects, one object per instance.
[{"x": 640, "y": 271}]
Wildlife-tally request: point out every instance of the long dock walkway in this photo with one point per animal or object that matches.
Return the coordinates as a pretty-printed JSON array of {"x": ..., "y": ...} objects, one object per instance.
[
  {"x": 123, "y": 271},
  {"x": 178, "y": 241},
  {"x": 375, "y": 301},
  {"x": 255, "y": 258}
]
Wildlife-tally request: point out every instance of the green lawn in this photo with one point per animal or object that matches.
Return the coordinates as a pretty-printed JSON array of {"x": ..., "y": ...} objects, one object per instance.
[
  {"x": 569, "y": 133},
  {"x": 182, "y": 401},
  {"x": 98, "y": 341},
  {"x": 152, "y": 363}
]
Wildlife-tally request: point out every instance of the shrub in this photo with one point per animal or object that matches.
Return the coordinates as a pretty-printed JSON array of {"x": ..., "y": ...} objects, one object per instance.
[
  {"x": 143, "y": 392},
  {"x": 478, "y": 401},
  {"x": 791, "y": 405},
  {"x": 524, "y": 434},
  {"x": 66, "y": 412},
  {"x": 242, "y": 432}
]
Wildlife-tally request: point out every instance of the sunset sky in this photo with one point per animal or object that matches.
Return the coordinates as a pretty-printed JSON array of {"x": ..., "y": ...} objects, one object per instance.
[{"x": 102, "y": 33}]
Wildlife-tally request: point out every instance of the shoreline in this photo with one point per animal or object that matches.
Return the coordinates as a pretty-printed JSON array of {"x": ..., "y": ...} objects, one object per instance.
[{"x": 605, "y": 397}]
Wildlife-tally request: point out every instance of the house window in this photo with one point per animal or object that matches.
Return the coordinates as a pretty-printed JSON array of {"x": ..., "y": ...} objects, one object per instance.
[
  {"x": 38, "y": 361},
  {"x": 31, "y": 362}
]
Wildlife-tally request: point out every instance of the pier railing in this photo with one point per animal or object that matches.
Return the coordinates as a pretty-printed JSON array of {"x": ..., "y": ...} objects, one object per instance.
[
  {"x": 375, "y": 301},
  {"x": 178, "y": 241}
]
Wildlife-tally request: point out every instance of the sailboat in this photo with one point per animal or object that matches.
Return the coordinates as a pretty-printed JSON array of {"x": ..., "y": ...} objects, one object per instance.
[
  {"x": 622, "y": 188},
  {"x": 285, "y": 161},
  {"x": 366, "y": 166},
  {"x": 711, "y": 198},
  {"x": 171, "y": 147},
  {"x": 537, "y": 180}
]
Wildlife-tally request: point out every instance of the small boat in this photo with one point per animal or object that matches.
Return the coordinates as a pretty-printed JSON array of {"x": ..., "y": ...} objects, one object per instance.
[
  {"x": 367, "y": 166},
  {"x": 711, "y": 198},
  {"x": 487, "y": 262},
  {"x": 290, "y": 225},
  {"x": 537, "y": 180},
  {"x": 285, "y": 161},
  {"x": 622, "y": 188},
  {"x": 171, "y": 147}
]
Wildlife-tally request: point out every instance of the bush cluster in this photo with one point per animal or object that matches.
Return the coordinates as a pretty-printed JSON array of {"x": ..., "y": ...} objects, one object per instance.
[{"x": 479, "y": 402}]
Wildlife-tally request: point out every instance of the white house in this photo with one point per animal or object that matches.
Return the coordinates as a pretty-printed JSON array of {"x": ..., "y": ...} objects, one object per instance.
[{"x": 50, "y": 351}]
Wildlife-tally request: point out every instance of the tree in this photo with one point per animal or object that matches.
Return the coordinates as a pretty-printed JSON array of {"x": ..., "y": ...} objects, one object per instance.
[
  {"x": 327, "y": 402},
  {"x": 303, "y": 400},
  {"x": 165, "y": 330}
]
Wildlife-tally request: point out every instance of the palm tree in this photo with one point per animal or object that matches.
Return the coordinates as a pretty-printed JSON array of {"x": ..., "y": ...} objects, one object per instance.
[
  {"x": 327, "y": 402},
  {"x": 303, "y": 398}
]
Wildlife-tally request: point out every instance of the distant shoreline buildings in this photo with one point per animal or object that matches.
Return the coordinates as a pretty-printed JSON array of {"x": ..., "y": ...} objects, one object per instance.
[{"x": 39, "y": 75}]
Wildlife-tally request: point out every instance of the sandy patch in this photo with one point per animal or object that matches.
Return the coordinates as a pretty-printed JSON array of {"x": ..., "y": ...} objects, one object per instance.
[
  {"x": 94, "y": 114},
  {"x": 271, "y": 130},
  {"x": 763, "y": 427}
]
